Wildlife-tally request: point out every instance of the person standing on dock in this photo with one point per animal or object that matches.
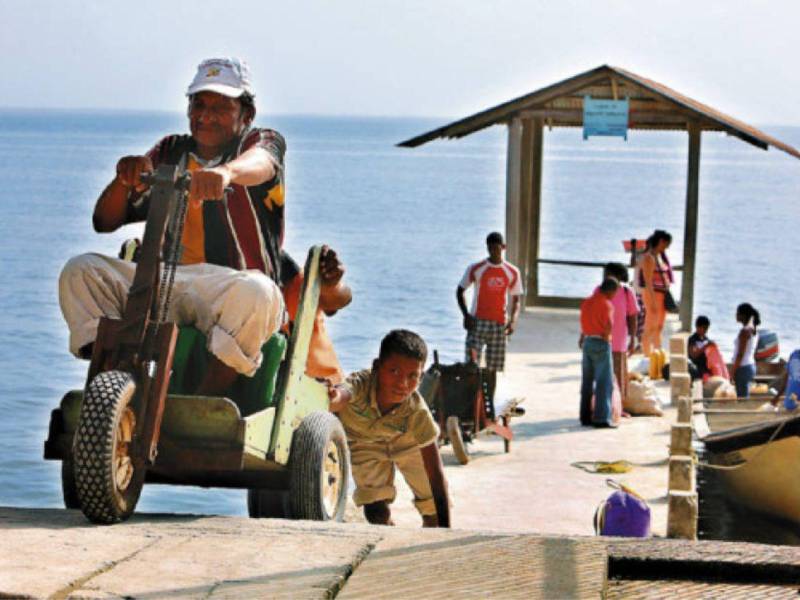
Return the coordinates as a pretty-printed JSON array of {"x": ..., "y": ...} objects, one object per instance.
[
  {"x": 654, "y": 278},
  {"x": 597, "y": 319},
  {"x": 744, "y": 349},
  {"x": 623, "y": 332},
  {"x": 489, "y": 323}
]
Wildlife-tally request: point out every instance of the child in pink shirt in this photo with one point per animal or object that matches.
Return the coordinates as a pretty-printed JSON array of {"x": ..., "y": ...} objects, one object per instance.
[{"x": 623, "y": 332}]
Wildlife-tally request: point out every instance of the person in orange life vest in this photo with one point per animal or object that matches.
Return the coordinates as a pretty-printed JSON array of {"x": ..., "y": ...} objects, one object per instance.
[
  {"x": 334, "y": 295},
  {"x": 226, "y": 283},
  {"x": 489, "y": 323},
  {"x": 597, "y": 318},
  {"x": 655, "y": 278}
]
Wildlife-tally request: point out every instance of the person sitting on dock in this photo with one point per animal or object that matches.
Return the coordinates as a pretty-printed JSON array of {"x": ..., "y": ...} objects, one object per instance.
[
  {"x": 334, "y": 295},
  {"x": 790, "y": 384},
  {"x": 696, "y": 347},
  {"x": 597, "y": 319},
  {"x": 226, "y": 283},
  {"x": 389, "y": 425},
  {"x": 489, "y": 323}
]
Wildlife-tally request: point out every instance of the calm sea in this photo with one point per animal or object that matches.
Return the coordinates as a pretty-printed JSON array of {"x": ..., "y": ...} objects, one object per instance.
[{"x": 406, "y": 222}]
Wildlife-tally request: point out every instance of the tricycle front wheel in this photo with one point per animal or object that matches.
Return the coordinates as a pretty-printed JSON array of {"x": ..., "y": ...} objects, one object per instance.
[
  {"x": 266, "y": 504},
  {"x": 107, "y": 482},
  {"x": 319, "y": 469}
]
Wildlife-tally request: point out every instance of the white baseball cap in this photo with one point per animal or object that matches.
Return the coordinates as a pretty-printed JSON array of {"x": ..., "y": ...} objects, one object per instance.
[{"x": 227, "y": 76}]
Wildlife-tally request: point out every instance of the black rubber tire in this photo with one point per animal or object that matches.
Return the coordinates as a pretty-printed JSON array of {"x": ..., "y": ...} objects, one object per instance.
[
  {"x": 307, "y": 475},
  {"x": 68, "y": 489},
  {"x": 456, "y": 439},
  {"x": 267, "y": 504},
  {"x": 95, "y": 447}
]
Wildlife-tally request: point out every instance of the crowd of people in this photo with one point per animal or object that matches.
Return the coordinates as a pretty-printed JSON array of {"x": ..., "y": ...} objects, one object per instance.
[
  {"x": 617, "y": 321},
  {"x": 238, "y": 286}
]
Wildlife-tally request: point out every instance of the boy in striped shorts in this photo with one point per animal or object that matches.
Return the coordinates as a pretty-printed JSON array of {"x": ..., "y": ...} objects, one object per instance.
[{"x": 488, "y": 323}]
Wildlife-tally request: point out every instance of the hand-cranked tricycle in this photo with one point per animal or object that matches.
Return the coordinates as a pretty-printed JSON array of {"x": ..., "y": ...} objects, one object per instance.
[
  {"x": 461, "y": 398},
  {"x": 137, "y": 421}
]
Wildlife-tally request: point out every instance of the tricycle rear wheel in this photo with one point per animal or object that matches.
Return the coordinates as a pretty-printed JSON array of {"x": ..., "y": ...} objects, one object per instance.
[
  {"x": 319, "y": 469},
  {"x": 68, "y": 489},
  {"x": 107, "y": 482}
]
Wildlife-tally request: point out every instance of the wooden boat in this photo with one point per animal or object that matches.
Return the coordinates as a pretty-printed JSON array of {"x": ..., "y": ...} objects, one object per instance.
[{"x": 760, "y": 450}]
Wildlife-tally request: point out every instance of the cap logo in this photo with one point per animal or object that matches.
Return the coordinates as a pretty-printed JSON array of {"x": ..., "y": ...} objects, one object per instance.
[{"x": 213, "y": 72}]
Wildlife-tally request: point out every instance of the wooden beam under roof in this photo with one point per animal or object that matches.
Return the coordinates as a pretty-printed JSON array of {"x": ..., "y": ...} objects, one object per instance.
[{"x": 599, "y": 82}]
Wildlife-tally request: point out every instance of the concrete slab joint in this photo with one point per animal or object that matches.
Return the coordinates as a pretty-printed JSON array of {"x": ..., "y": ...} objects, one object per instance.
[
  {"x": 680, "y": 385},
  {"x": 678, "y": 364},
  {"x": 682, "y": 515},
  {"x": 684, "y": 409},
  {"x": 681, "y": 474},
  {"x": 680, "y": 440},
  {"x": 678, "y": 345}
]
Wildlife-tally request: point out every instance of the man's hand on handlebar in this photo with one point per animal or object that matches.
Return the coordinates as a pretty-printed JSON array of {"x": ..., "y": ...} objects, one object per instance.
[
  {"x": 330, "y": 267},
  {"x": 209, "y": 184},
  {"x": 130, "y": 169}
]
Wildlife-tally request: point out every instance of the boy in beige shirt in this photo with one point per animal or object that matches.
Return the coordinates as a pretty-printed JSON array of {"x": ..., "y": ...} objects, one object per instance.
[{"x": 388, "y": 424}]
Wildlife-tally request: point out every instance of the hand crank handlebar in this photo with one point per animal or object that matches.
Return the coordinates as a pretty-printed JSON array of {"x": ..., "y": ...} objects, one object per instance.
[{"x": 182, "y": 182}]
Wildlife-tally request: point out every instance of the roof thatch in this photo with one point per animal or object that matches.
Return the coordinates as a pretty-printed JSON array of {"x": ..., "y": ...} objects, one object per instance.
[{"x": 653, "y": 105}]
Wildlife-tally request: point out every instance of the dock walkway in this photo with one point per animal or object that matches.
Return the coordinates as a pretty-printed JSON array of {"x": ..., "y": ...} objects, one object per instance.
[{"x": 522, "y": 525}]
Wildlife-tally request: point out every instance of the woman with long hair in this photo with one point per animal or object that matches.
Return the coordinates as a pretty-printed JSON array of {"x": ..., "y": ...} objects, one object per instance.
[
  {"x": 744, "y": 349},
  {"x": 655, "y": 278}
]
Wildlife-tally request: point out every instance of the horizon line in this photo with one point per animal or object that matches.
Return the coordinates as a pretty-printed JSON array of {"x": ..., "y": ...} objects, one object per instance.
[{"x": 275, "y": 114}]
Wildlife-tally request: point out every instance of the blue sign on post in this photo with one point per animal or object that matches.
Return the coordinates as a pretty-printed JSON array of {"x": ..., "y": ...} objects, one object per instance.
[{"x": 605, "y": 117}]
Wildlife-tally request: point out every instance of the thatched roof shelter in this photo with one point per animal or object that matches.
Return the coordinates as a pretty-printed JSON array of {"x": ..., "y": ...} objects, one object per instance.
[{"x": 652, "y": 105}]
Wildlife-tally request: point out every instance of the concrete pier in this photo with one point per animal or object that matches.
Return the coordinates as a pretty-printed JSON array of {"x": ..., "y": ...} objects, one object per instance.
[{"x": 522, "y": 523}]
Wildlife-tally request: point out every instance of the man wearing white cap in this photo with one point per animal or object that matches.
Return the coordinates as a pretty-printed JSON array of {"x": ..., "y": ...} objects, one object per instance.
[{"x": 225, "y": 284}]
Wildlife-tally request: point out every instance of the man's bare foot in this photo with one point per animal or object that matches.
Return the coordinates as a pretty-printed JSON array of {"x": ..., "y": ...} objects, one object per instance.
[
  {"x": 378, "y": 513},
  {"x": 218, "y": 378}
]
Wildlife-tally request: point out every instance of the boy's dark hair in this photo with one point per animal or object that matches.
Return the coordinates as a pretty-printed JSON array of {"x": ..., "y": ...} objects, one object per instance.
[
  {"x": 702, "y": 321},
  {"x": 495, "y": 238},
  {"x": 616, "y": 270},
  {"x": 405, "y": 343},
  {"x": 609, "y": 285}
]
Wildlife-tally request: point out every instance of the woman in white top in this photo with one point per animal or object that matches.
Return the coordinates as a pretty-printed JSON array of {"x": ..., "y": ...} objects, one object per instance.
[{"x": 744, "y": 349}]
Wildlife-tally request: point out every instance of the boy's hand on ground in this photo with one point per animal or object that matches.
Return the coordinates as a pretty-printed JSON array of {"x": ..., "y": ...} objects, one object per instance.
[{"x": 331, "y": 268}]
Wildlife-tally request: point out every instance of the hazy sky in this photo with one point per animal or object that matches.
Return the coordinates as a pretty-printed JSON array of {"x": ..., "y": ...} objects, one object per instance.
[{"x": 437, "y": 57}]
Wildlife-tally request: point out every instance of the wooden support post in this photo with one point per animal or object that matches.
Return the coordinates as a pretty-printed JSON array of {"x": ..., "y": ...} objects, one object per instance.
[
  {"x": 682, "y": 515},
  {"x": 690, "y": 227},
  {"x": 680, "y": 440},
  {"x": 681, "y": 474},
  {"x": 526, "y": 171},
  {"x": 680, "y": 385},
  {"x": 513, "y": 187},
  {"x": 684, "y": 409},
  {"x": 535, "y": 214}
]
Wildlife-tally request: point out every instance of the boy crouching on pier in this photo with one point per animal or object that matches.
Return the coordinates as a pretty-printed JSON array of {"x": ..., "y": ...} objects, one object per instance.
[{"x": 388, "y": 424}]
